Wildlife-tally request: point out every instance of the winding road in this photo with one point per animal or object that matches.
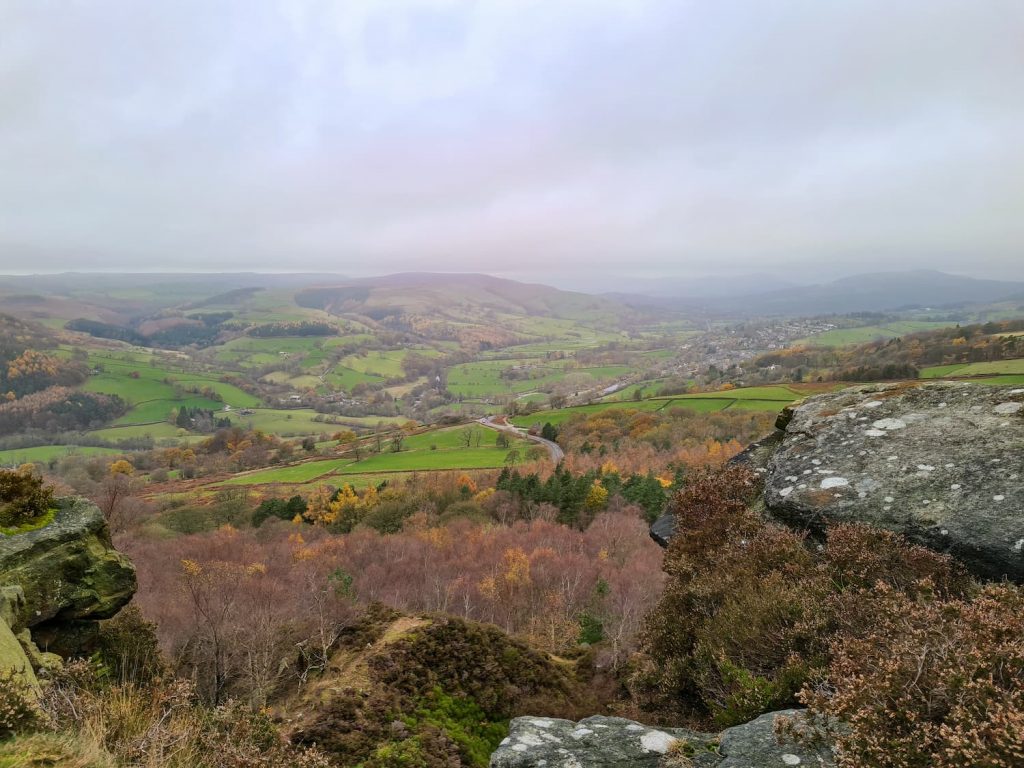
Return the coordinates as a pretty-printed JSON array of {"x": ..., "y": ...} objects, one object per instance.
[{"x": 554, "y": 450}]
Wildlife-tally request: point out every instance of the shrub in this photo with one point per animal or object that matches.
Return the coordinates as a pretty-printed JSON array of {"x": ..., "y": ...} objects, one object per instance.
[
  {"x": 438, "y": 695},
  {"x": 128, "y": 647},
  {"x": 23, "y": 497},
  {"x": 750, "y": 612},
  {"x": 18, "y": 710},
  {"x": 934, "y": 684}
]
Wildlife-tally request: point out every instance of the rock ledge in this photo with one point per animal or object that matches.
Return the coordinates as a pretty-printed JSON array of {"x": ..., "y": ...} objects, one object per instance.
[{"x": 612, "y": 742}]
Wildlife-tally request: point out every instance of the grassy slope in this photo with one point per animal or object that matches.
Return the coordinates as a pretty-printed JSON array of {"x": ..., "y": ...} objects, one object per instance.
[
  {"x": 844, "y": 336},
  {"x": 750, "y": 398},
  {"x": 449, "y": 452},
  {"x": 975, "y": 369},
  {"x": 44, "y": 453}
]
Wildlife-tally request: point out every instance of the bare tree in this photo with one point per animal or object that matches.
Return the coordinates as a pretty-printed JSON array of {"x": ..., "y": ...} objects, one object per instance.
[{"x": 115, "y": 500}]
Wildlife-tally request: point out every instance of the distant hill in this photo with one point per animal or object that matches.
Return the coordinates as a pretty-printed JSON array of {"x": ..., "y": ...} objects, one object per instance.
[
  {"x": 458, "y": 297},
  {"x": 875, "y": 292}
]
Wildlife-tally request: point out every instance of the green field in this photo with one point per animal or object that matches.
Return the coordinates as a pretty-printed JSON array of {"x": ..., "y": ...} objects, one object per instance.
[
  {"x": 1009, "y": 380},
  {"x": 485, "y": 457},
  {"x": 158, "y": 410},
  {"x": 750, "y": 398},
  {"x": 45, "y": 453},
  {"x": 300, "y": 422},
  {"x": 157, "y": 431},
  {"x": 346, "y": 378},
  {"x": 154, "y": 388},
  {"x": 439, "y": 449},
  {"x": 841, "y": 337},
  {"x": 748, "y": 393},
  {"x": 386, "y": 365},
  {"x": 1015, "y": 366},
  {"x": 483, "y": 378},
  {"x": 649, "y": 388},
  {"x": 229, "y": 393},
  {"x": 297, "y": 473}
]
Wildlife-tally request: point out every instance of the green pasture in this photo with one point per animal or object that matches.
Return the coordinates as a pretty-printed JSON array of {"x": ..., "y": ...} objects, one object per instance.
[
  {"x": 158, "y": 410},
  {"x": 387, "y": 365},
  {"x": 417, "y": 455},
  {"x": 282, "y": 422},
  {"x": 157, "y": 431},
  {"x": 232, "y": 395},
  {"x": 840, "y": 337},
  {"x": 1015, "y": 366},
  {"x": 346, "y": 378},
  {"x": 747, "y": 393},
  {"x": 299, "y": 422},
  {"x": 751, "y": 398},
  {"x": 251, "y": 351},
  {"x": 559, "y": 415},
  {"x": 45, "y": 453},
  {"x": 451, "y": 437},
  {"x": 483, "y": 377},
  {"x": 297, "y": 473},
  {"x": 649, "y": 388},
  {"x": 485, "y": 457},
  {"x": 131, "y": 390},
  {"x": 350, "y": 338},
  {"x": 941, "y": 371},
  {"x": 1010, "y": 379}
]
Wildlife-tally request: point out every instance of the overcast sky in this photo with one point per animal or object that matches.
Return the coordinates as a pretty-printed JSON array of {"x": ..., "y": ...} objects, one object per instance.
[{"x": 540, "y": 138}]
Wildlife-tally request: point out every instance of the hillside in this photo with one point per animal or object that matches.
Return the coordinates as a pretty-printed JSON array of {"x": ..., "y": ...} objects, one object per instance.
[{"x": 460, "y": 297}]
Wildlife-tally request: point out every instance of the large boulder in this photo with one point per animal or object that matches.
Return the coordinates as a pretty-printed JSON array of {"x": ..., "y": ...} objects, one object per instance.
[
  {"x": 64, "y": 576},
  {"x": 13, "y": 659},
  {"x": 612, "y": 742},
  {"x": 941, "y": 463}
]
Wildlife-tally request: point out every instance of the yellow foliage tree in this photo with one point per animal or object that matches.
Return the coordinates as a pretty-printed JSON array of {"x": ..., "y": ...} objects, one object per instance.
[
  {"x": 597, "y": 497},
  {"x": 517, "y": 567},
  {"x": 318, "y": 506},
  {"x": 121, "y": 467}
]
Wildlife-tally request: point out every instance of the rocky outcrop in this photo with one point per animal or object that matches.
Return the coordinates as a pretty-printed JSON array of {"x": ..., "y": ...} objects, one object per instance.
[
  {"x": 941, "y": 463},
  {"x": 13, "y": 659},
  {"x": 612, "y": 742},
  {"x": 59, "y": 580}
]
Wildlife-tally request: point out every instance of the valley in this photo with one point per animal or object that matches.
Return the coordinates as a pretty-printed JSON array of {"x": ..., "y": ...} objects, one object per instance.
[{"x": 360, "y": 474}]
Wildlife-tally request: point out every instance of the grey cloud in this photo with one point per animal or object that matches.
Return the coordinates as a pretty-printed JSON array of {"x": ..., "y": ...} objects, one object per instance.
[{"x": 666, "y": 137}]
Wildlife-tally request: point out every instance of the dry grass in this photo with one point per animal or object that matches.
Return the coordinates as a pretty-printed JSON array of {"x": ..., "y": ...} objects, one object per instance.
[{"x": 50, "y": 750}]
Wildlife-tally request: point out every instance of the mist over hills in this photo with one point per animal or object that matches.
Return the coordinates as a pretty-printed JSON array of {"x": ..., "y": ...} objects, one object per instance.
[
  {"x": 461, "y": 294},
  {"x": 873, "y": 292}
]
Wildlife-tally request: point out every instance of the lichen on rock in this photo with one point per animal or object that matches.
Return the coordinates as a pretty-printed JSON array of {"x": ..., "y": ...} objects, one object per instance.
[
  {"x": 613, "y": 742},
  {"x": 940, "y": 463},
  {"x": 58, "y": 581}
]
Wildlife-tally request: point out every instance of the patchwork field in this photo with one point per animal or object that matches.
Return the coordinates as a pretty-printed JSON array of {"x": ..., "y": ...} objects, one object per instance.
[
  {"x": 154, "y": 387},
  {"x": 841, "y": 337},
  {"x": 484, "y": 378},
  {"x": 440, "y": 449},
  {"x": 750, "y": 398}
]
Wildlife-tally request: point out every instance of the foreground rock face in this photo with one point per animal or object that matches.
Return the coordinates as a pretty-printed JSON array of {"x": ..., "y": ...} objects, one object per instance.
[
  {"x": 612, "y": 742},
  {"x": 941, "y": 463},
  {"x": 60, "y": 579}
]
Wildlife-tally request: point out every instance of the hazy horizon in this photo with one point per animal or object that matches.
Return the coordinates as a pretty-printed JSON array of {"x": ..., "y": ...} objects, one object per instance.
[{"x": 579, "y": 144}]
